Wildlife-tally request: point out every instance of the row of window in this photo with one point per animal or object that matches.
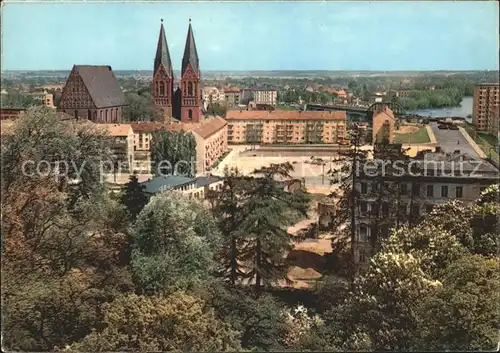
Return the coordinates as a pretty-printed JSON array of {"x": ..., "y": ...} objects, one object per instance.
[{"x": 416, "y": 190}]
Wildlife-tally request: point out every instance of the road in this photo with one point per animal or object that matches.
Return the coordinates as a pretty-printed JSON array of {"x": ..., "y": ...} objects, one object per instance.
[{"x": 447, "y": 140}]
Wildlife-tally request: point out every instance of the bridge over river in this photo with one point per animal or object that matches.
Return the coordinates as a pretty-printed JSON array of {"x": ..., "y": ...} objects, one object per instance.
[{"x": 359, "y": 113}]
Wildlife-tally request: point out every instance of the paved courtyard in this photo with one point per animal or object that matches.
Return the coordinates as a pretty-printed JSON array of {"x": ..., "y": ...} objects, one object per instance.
[{"x": 447, "y": 140}]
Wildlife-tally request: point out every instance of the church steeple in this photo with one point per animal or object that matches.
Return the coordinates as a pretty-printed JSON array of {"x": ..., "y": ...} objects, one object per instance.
[
  {"x": 163, "y": 77},
  {"x": 190, "y": 82},
  {"x": 162, "y": 53},
  {"x": 190, "y": 53}
]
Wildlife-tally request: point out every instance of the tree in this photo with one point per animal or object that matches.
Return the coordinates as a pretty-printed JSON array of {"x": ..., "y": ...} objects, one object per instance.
[
  {"x": 260, "y": 321},
  {"x": 216, "y": 109},
  {"x": 173, "y": 152},
  {"x": 347, "y": 195},
  {"x": 463, "y": 315},
  {"x": 178, "y": 322},
  {"x": 133, "y": 196},
  {"x": 175, "y": 243},
  {"x": 266, "y": 241},
  {"x": 140, "y": 107},
  {"x": 382, "y": 308}
]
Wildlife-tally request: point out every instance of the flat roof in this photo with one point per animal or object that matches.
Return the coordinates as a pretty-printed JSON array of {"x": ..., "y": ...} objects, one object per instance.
[{"x": 160, "y": 183}]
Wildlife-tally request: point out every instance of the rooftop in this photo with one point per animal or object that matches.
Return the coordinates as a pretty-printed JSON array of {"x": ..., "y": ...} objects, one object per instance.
[
  {"x": 118, "y": 130},
  {"x": 160, "y": 183},
  {"x": 285, "y": 115},
  {"x": 209, "y": 127},
  {"x": 101, "y": 84},
  {"x": 147, "y": 126}
]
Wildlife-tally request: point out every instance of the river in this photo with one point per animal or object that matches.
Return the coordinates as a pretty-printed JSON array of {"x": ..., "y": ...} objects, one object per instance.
[{"x": 464, "y": 109}]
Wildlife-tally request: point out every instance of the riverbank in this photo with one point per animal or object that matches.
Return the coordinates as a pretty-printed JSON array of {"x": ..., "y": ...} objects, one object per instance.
[{"x": 463, "y": 110}]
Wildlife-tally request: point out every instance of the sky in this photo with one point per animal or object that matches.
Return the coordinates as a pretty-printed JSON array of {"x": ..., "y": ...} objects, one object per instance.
[{"x": 248, "y": 36}]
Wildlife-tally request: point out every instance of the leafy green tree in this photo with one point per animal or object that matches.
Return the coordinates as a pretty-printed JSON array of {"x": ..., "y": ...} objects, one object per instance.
[
  {"x": 178, "y": 322},
  {"x": 266, "y": 240},
  {"x": 173, "y": 152},
  {"x": 140, "y": 107},
  {"x": 381, "y": 311},
  {"x": 175, "y": 243},
  {"x": 217, "y": 109},
  {"x": 133, "y": 197},
  {"x": 347, "y": 195},
  {"x": 259, "y": 320},
  {"x": 15, "y": 99},
  {"x": 463, "y": 315}
]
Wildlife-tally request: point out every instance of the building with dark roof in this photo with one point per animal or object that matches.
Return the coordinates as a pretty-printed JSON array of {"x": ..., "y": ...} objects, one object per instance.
[
  {"x": 197, "y": 188},
  {"x": 93, "y": 93}
]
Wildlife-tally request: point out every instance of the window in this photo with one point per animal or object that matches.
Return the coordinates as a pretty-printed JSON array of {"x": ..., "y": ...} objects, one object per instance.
[
  {"x": 385, "y": 208},
  {"x": 404, "y": 189},
  {"x": 76, "y": 114},
  {"x": 364, "y": 188},
  {"x": 162, "y": 89},
  {"x": 428, "y": 208},
  {"x": 415, "y": 190},
  {"x": 430, "y": 190},
  {"x": 459, "y": 191},
  {"x": 415, "y": 210},
  {"x": 190, "y": 88},
  {"x": 89, "y": 114},
  {"x": 190, "y": 114},
  {"x": 374, "y": 209},
  {"x": 402, "y": 210},
  {"x": 362, "y": 256},
  {"x": 444, "y": 191},
  {"x": 363, "y": 232},
  {"x": 363, "y": 206}
]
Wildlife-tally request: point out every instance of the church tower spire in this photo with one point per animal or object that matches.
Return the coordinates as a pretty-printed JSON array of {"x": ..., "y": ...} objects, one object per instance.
[
  {"x": 163, "y": 76},
  {"x": 190, "y": 81}
]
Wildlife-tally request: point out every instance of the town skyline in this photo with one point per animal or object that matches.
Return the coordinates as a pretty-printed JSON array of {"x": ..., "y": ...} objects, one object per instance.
[{"x": 455, "y": 36}]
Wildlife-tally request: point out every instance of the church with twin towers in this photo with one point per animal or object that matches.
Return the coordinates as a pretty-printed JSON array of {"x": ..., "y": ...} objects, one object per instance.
[{"x": 185, "y": 101}]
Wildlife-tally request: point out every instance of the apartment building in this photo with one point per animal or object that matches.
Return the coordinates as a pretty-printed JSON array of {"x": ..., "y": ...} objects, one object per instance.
[
  {"x": 286, "y": 127},
  {"x": 143, "y": 134},
  {"x": 213, "y": 95},
  {"x": 210, "y": 135},
  {"x": 121, "y": 143},
  {"x": 261, "y": 96},
  {"x": 232, "y": 96},
  {"x": 485, "y": 107},
  {"x": 436, "y": 177},
  {"x": 383, "y": 125}
]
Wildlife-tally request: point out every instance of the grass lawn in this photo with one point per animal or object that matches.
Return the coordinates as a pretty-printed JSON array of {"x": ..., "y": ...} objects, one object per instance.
[
  {"x": 417, "y": 137},
  {"x": 486, "y": 142}
]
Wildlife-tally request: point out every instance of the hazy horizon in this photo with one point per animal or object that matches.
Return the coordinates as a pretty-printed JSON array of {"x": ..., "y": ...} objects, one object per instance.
[{"x": 255, "y": 36}]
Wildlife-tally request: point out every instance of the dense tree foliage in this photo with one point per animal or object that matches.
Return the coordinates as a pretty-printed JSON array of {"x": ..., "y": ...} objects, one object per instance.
[
  {"x": 173, "y": 152},
  {"x": 14, "y": 99},
  {"x": 80, "y": 274},
  {"x": 140, "y": 107},
  {"x": 133, "y": 197},
  {"x": 175, "y": 242}
]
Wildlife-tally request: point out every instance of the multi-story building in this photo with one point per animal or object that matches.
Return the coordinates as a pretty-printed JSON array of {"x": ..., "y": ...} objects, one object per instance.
[
  {"x": 143, "y": 135},
  {"x": 261, "y": 96},
  {"x": 233, "y": 96},
  {"x": 384, "y": 125},
  {"x": 48, "y": 100},
  {"x": 210, "y": 136},
  {"x": 122, "y": 143},
  {"x": 93, "y": 93},
  {"x": 213, "y": 95},
  {"x": 211, "y": 142},
  {"x": 286, "y": 127},
  {"x": 435, "y": 178},
  {"x": 484, "y": 108}
]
